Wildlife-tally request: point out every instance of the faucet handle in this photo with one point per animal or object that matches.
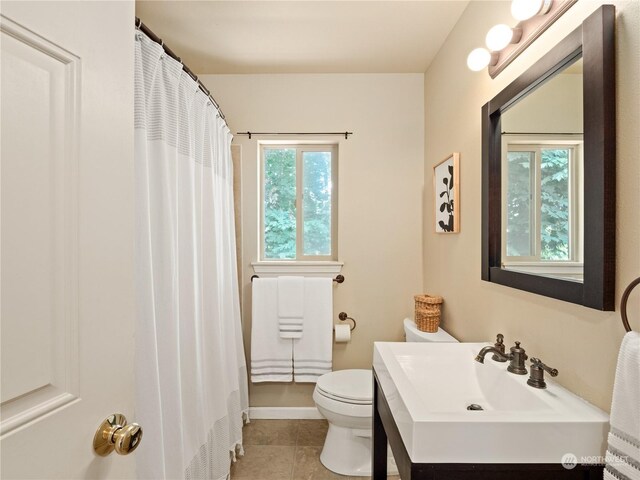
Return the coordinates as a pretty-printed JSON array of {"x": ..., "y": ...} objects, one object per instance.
[
  {"x": 536, "y": 362},
  {"x": 536, "y": 377},
  {"x": 499, "y": 345}
]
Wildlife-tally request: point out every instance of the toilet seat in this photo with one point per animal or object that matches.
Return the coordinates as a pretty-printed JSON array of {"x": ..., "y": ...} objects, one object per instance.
[
  {"x": 341, "y": 399},
  {"x": 353, "y": 386}
]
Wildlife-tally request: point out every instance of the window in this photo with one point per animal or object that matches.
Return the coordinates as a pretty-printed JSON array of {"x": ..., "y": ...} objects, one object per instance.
[
  {"x": 298, "y": 202},
  {"x": 542, "y": 218}
]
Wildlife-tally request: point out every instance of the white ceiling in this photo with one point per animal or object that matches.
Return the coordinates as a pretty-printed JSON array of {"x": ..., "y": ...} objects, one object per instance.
[{"x": 302, "y": 36}]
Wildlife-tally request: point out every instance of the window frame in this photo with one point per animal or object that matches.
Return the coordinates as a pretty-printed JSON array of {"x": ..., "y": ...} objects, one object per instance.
[
  {"x": 535, "y": 143},
  {"x": 300, "y": 148}
]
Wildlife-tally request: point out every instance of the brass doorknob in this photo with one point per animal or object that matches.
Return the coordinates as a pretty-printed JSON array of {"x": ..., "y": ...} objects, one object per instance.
[{"x": 115, "y": 434}]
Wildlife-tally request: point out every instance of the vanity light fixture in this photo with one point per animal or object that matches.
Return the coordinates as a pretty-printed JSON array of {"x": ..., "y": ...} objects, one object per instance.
[
  {"x": 502, "y": 35},
  {"x": 525, "y": 9},
  {"x": 480, "y": 58},
  {"x": 505, "y": 43}
]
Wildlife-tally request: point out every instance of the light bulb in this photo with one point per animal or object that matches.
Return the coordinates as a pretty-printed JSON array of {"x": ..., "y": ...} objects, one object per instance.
[
  {"x": 478, "y": 59},
  {"x": 525, "y": 9},
  {"x": 499, "y": 37}
]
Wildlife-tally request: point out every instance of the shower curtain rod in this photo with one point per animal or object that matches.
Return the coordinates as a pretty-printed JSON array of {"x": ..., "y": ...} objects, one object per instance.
[
  {"x": 249, "y": 134},
  {"x": 147, "y": 31}
]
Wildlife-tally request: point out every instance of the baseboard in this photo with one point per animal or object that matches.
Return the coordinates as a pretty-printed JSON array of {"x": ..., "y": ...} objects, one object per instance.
[{"x": 277, "y": 413}]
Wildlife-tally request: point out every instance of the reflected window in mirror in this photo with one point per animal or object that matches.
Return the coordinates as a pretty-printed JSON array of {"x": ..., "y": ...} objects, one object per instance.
[
  {"x": 543, "y": 206},
  {"x": 542, "y": 179}
]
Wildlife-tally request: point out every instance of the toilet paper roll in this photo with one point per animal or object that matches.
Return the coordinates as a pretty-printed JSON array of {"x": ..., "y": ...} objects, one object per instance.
[{"x": 343, "y": 333}]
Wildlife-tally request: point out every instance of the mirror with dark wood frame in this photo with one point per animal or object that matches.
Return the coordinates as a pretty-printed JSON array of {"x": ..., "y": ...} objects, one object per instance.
[{"x": 548, "y": 225}]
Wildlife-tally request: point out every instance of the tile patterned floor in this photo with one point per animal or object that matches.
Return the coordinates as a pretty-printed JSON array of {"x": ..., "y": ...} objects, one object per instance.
[{"x": 284, "y": 450}]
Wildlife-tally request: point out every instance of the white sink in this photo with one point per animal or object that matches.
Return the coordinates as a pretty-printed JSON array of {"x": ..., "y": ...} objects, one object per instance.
[{"x": 429, "y": 386}]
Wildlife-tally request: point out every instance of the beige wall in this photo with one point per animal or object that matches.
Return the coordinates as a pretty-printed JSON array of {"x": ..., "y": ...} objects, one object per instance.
[
  {"x": 562, "y": 95},
  {"x": 580, "y": 342},
  {"x": 380, "y": 195}
]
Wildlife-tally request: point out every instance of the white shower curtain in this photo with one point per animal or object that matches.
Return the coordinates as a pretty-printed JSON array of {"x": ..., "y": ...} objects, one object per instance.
[{"x": 191, "y": 378}]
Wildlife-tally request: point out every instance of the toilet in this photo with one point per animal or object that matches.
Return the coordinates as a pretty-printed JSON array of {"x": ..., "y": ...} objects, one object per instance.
[{"x": 345, "y": 399}]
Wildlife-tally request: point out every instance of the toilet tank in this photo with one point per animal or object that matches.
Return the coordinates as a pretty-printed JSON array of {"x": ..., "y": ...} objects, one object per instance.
[{"x": 412, "y": 334}]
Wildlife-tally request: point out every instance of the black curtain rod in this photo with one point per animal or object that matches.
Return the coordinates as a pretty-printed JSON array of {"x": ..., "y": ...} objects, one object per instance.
[
  {"x": 249, "y": 134},
  {"x": 541, "y": 133},
  {"x": 147, "y": 31}
]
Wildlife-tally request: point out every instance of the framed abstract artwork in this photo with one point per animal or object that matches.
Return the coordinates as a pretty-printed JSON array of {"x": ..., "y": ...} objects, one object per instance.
[{"x": 446, "y": 180}]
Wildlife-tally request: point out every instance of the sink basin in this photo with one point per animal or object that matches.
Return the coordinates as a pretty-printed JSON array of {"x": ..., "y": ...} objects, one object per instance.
[{"x": 430, "y": 386}]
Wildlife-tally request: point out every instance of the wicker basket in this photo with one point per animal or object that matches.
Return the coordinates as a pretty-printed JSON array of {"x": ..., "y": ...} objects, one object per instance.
[{"x": 428, "y": 312}]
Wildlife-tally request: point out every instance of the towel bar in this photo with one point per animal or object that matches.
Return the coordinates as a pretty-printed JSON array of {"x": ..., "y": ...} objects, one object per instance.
[
  {"x": 623, "y": 304},
  {"x": 338, "y": 279}
]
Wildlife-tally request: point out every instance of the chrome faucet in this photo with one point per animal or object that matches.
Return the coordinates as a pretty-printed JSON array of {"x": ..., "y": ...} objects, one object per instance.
[{"x": 516, "y": 357}]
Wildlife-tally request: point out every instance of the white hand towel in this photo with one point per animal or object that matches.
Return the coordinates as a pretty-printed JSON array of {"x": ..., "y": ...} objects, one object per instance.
[
  {"x": 313, "y": 352},
  {"x": 271, "y": 356},
  {"x": 623, "y": 452},
  {"x": 290, "y": 306}
]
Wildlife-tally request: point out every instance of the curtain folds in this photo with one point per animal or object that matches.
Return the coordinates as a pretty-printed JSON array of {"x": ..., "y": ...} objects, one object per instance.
[{"x": 191, "y": 377}]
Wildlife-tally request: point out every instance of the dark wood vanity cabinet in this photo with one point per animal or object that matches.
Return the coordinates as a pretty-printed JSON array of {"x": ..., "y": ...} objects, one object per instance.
[{"x": 385, "y": 428}]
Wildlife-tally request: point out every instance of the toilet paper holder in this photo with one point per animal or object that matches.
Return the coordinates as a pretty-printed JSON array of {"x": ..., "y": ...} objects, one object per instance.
[{"x": 343, "y": 316}]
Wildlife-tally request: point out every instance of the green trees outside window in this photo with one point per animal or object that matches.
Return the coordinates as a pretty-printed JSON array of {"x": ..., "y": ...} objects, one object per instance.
[
  {"x": 280, "y": 203},
  {"x": 539, "y": 203},
  {"x": 555, "y": 203},
  {"x": 298, "y": 176}
]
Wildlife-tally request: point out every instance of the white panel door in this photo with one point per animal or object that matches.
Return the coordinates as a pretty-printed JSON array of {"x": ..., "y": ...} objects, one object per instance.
[{"x": 66, "y": 235}]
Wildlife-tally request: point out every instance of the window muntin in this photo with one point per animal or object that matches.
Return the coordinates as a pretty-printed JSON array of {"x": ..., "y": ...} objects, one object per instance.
[{"x": 298, "y": 202}]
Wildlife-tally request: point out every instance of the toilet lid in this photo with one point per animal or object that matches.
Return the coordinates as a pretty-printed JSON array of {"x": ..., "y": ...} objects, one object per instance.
[{"x": 353, "y": 385}]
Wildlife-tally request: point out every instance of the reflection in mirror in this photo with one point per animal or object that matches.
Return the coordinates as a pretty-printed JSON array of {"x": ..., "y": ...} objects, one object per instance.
[
  {"x": 542, "y": 179},
  {"x": 561, "y": 242}
]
